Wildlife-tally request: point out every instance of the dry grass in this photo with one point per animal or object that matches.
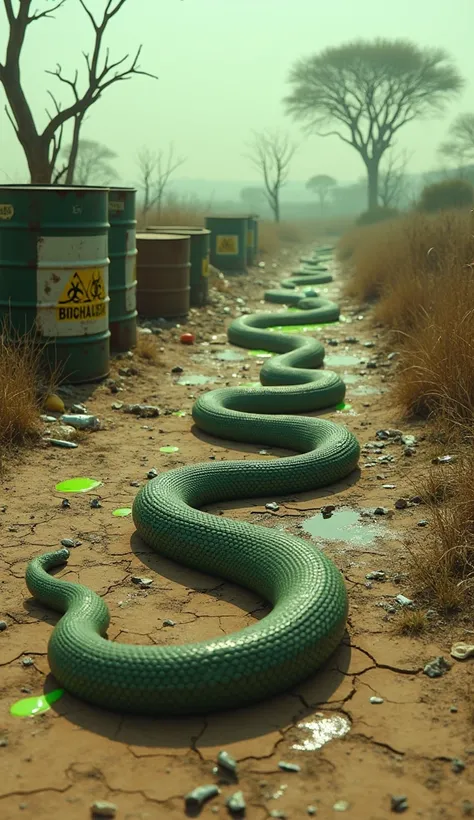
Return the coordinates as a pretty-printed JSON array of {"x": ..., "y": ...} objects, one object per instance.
[
  {"x": 420, "y": 268},
  {"x": 147, "y": 348},
  {"x": 20, "y": 400},
  {"x": 410, "y": 622}
]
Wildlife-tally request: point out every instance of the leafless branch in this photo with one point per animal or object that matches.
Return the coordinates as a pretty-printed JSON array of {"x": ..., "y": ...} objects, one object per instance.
[{"x": 38, "y": 15}]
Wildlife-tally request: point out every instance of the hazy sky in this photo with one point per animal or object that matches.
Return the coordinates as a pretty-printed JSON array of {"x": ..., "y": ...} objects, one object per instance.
[{"x": 222, "y": 68}]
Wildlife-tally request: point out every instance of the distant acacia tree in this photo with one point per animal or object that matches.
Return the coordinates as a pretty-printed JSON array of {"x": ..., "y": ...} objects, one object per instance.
[
  {"x": 368, "y": 91},
  {"x": 92, "y": 164},
  {"x": 460, "y": 145},
  {"x": 156, "y": 168},
  {"x": 42, "y": 148},
  {"x": 271, "y": 152},
  {"x": 322, "y": 185}
]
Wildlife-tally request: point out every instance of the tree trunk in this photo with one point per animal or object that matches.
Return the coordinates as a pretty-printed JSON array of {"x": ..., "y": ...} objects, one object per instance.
[
  {"x": 38, "y": 162},
  {"x": 276, "y": 208},
  {"x": 373, "y": 184}
]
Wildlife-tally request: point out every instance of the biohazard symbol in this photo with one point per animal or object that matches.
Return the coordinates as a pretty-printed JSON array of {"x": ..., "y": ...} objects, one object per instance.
[
  {"x": 227, "y": 244},
  {"x": 83, "y": 297}
]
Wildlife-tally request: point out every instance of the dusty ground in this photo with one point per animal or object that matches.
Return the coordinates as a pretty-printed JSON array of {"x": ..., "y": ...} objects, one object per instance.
[{"x": 57, "y": 764}]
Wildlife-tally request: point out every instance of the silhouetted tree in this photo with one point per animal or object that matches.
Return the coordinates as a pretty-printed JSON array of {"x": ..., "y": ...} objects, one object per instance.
[
  {"x": 42, "y": 148},
  {"x": 156, "y": 168},
  {"x": 392, "y": 179},
  {"x": 92, "y": 163},
  {"x": 271, "y": 152},
  {"x": 460, "y": 145},
  {"x": 322, "y": 185},
  {"x": 371, "y": 90}
]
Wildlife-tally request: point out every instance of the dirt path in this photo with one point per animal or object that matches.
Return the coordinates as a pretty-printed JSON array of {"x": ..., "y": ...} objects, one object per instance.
[{"x": 353, "y": 754}]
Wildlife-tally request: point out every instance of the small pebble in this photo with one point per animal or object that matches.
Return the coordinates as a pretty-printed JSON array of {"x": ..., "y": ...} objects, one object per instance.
[
  {"x": 341, "y": 805},
  {"x": 403, "y": 600},
  {"x": 70, "y": 543},
  {"x": 101, "y": 808},
  {"x": 169, "y": 622},
  {"x": 312, "y": 810},
  {"x": 272, "y": 505},
  {"x": 289, "y": 767},
  {"x": 375, "y": 699},
  {"x": 3, "y": 742},
  {"x": 142, "y": 582},
  {"x": 457, "y": 765},
  {"x": 227, "y": 762},
  {"x": 380, "y": 511},
  {"x": 376, "y": 575},
  {"x": 236, "y": 803},
  {"x": 27, "y": 661},
  {"x": 3, "y": 626},
  {"x": 152, "y": 473},
  {"x": 95, "y": 504},
  {"x": 401, "y": 504},
  {"x": 66, "y": 504},
  {"x": 278, "y": 814},
  {"x": 422, "y": 523},
  {"x": 453, "y": 708},
  {"x": 398, "y": 803}
]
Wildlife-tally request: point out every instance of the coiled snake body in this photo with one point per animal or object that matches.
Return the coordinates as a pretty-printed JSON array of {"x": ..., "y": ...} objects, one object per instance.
[{"x": 305, "y": 589}]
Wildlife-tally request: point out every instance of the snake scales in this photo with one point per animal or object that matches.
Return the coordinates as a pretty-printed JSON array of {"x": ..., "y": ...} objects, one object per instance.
[{"x": 305, "y": 589}]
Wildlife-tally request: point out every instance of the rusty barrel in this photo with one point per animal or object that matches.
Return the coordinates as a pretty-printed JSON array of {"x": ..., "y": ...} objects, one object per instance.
[
  {"x": 163, "y": 275},
  {"x": 199, "y": 258},
  {"x": 122, "y": 269}
]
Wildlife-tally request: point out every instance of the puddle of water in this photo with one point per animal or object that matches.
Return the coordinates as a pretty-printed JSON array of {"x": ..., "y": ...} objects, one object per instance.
[
  {"x": 341, "y": 360},
  {"x": 169, "y": 448},
  {"x": 29, "y": 707},
  {"x": 344, "y": 524},
  {"x": 122, "y": 512},
  {"x": 77, "y": 485},
  {"x": 229, "y": 355},
  {"x": 321, "y": 731},
  {"x": 350, "y": 378},
  {"x": 194, "y": 379}
]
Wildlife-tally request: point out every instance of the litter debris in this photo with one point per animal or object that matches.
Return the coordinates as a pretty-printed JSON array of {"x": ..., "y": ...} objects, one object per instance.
[
  {"x": 227, "y": 762},
  {"x": 376, "y": 575},
  {"x": 443, "y": 459},
  {"x": 58, "y": 442},
  {"x": 81, "y": 422},
  {"x": 186, "y": 339},
  {"x": 272, "y": 505},
  {"x": 141, "y": 582},
  {"x": 398, "y": 803},
  {"x": 341, "y": 805},
  {"x": 29, "y": 707},
  {"x": 457, "y": 765},
  {"x": 461, "y": 651},
  {"x": 101, "y": 808},
  {"x": 169, "y": 622},
  {"x": 144, "y": 411},
  {"x": 169, "y": 449},
  {"x": 437, "y": 667},
  {"x": 403, "y": 600},
  {"x": 54, "y": 404},
  {"x": 289, "y": 767},
  {"x": 195, "y": 799},
  {"x": 77, "y": 485},
  {"x": 95, "y": 504},
  {"x": 374, "y": 699},
  {"x": 236, "y": 803},
  {"x": 70, "y": 543}
]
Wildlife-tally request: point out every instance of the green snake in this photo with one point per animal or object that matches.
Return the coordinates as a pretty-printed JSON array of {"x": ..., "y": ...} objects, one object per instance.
[{"x": 305, "y": 589}]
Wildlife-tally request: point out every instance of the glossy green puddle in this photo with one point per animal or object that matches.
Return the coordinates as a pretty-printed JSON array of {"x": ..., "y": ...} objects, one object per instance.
[
  {"x": 169, "y": 449},
  {"x": 343, "y": 406},
  {"x": 29, "y": 707},
  {"x": 179, "y": 413},
  {"x": 77, "y": 485},
  {"x": 261, "y": 353},
  {"x": 122, "y": 512}
]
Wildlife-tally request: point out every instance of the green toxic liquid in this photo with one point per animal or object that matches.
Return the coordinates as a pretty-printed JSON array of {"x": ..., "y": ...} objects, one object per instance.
[
  {"x": 343, "y": 406},
  {"x": 122, "y": 512},
  {"x": 179, "y": 413},
  {"x": 29, "y": 707},
  {"x": 169, "y": 449},
  {"x": 77, "y": 485}
]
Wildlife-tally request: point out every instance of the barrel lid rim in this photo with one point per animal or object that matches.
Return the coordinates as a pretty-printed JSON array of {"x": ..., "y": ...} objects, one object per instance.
[
  {"x": 53, "y": 188},
  {"x": 230, "y": 216},
  {"x": 177, "y": 228},
  {"x": 159, "y": 235}
]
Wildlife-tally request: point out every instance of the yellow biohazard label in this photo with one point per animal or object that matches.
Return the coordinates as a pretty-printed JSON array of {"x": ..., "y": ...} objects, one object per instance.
[
  {"x": 227, "y": 244},
  {"x": 205, "y": 266},
  {"x": 117, "y": 205},
  {"x": 83, "y": 298},
  {"x": 6, "y": 211},
  {"x": 250, "y": 239}
]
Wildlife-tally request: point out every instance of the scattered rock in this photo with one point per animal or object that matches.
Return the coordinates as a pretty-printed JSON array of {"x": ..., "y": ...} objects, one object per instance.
[
  {"x": 289, "y": 767},
  {"x": 401, "y": 504},
  {"x": 437, "y": 667},
  {"x": 227, "y": 762},
  {"x": 416, "y": 499},
  {"x": 398, "y": 803},
  {"x": 443, "y": 459},
  {"x": 177, "y": 369},
  {"x": 341, "y": 805},
  {"x": 152, "y": 473},
  {"x": 311, "y": 810},
  {"x": 169, "y": 622},
  {"x": 236, "y": 803},
  {"x": 272, "y": 505},
  {"x": 143, "y": 411},
  {"x": 422, "y": 523},
  {"x": 95, "y": 504},
  {"x": 3, "y": 626},
  {"x": 457, "y": 766},
  {"x": 27, "y": 662},
  {"x": 374, "y": 699},
  {"x": 101, "y": 808},
  {"x": 376, "y": 575},
  {"x": 403, "y": 600},
  {"x": 70, "y": 543},
  {"x": 327, "y": 511},
  {"x": 66, "y": 504},
  {"x": 141, "y": 582},
  {"x": 195, "y": 799},
  {"x": 380, "y": 511}
]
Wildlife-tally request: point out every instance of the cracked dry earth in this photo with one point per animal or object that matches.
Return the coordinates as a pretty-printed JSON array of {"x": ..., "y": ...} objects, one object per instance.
[{"x": 353, "y": 754}]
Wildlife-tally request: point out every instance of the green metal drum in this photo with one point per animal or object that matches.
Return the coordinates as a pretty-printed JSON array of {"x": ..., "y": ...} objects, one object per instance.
[
  {"x": 54, "y": 273},
  {"x": 252, "y": 239},
  {"x": 122, "y": 270},
  {"x": 199, "y": 274},
  {"x": 229, "y": 238}
]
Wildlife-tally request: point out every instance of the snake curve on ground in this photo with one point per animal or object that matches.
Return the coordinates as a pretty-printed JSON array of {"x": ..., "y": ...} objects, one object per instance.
[{"x": 305, "y": 589}]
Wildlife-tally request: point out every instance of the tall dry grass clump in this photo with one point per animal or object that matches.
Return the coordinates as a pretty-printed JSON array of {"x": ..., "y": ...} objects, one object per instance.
[{"x": 20, "y": 400}]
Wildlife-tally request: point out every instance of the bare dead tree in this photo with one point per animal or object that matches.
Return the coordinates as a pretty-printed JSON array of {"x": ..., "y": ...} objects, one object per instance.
[
  {"x": 42, "y": 148},
  {"x": 392, "y": 179},
  {"x": 93, "y": 165},
  {"x": 271, "y": 153},
  {"x": 156, "y": 169}
]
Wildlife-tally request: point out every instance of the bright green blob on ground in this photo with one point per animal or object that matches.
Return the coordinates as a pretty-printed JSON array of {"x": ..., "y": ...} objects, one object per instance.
[
  {"x": 77, "y": 485},
  {"x": 179, "y": 413},
  {"x": 261, "y": 353},
  {"x": 122, "y": 512},
  {"x": 343, "y": 406},
  {"x": 169, "y": 449},
  {"x": 298, "y": 328},
  {"x": 29, "y": 707}
]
